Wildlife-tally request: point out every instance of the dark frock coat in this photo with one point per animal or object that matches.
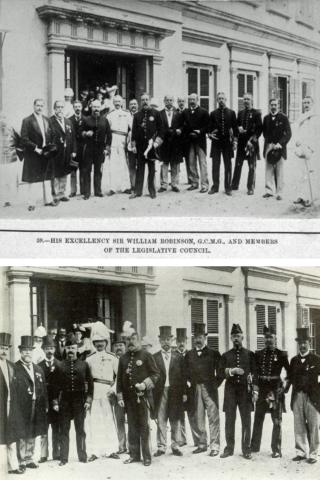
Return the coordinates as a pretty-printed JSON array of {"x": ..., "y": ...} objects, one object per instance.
[
  {"x": 305, "y": 377},
  {"x": 225, "y": 132},
  {"x": 66, "y": 144},
  {"x": 51, "y": 376},
  {"x": 171, "y": 150},
  {"x": 7, "y": 407}
]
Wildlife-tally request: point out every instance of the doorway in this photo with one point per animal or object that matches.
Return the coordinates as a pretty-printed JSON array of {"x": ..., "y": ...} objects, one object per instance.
[{"x": 315, "y": 330}]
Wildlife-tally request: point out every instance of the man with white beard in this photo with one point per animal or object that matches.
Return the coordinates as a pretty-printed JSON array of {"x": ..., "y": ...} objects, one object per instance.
[
  {"x": 100, "y": 423},
  {"x": 120, "y": 123},
  {"x": 307, "y": 151}
]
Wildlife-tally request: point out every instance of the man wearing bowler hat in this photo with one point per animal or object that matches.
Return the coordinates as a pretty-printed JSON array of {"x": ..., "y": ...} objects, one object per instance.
[
  {"x": 181, "y": 342},
  {"x": 271, "y": 363},
  {"x": 32, "y": 403},
  {"x": 304, "y": 376},
  {"x": 119, "y": 348},
  {"x": 50, "y": 365},
  {"x": 238, "y": 368},
  {"x": 169, "y": 392},
  {"x": 73, "y": 397},
  {"x": 137, "y": 376},
  {"x": 201, "y": 366},
  {"x": 7, "y": 409}
]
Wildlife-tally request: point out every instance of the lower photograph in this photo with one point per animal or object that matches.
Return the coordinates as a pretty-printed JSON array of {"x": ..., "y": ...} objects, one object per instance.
[{"x": 189, "y": 371}]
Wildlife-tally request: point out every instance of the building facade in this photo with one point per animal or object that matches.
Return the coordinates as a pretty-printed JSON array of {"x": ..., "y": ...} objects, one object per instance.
[{"x": 154, "y": 296}]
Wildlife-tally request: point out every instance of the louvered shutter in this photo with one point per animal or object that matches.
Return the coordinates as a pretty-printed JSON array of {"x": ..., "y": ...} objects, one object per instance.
[
  {"x": 250, "y": 84},
  {"x": 261, "y": 320},
  {"x": 272, "y": 317},
  {"x": 241, "y": 89},
  {"x": 213, "y": 324},
  {"x": 196, "y": 314}
]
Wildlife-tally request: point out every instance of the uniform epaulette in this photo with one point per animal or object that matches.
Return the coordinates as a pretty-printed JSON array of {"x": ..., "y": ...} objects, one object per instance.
[{"x": 111, "y": 353}]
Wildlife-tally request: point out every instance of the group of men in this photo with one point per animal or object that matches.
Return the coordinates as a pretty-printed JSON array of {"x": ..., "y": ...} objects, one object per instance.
[
  {"x": 98, "y": 392},
  {"x": 126, "y": 141}
]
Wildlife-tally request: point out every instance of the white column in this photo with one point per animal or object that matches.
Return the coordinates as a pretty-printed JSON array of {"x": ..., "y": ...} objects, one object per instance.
[
  {"x": 19, "y": 306},
  {"x": 158, "y": 79},
  {"x": 149, "y": 307},
  {"x": 131, "y": 305},
  {"x": 251, "y": 324},
  {"x": 229, "y": 320},
  {"x": 56, "y": 56},
  {"x": 263, "y": 86},
  {"x": 223, "y": 77}
]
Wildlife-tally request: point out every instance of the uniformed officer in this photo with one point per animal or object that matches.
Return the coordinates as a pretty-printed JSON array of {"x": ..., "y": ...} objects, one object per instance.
[
  {"x": 270, "y": 363},
  {"x": 74, "y": 390},
  {"x": 102, "y": 435},
  {"x": 201, "y": 366},
  {"x": 120, "y": 123},
  {"x": 238, "y": 367},
  {"x": 137, "y": 376},
  {"x": 304, "y": 377}
]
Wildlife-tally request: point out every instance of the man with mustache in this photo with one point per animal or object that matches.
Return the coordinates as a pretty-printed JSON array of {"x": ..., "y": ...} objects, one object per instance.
[
  {"x": 137, "y": 376},
  {"x": 50, "y": 365},
  {"x": 270, "y": 363},
  {"x": 8, "y": 453},
  {"x": 201, "y": 367},
  {"x": 238, "y": 368},
  {"x": 73, "y": 397},
  {"x": 32, "y": 403},
  {"x": 119, "y": 348}
]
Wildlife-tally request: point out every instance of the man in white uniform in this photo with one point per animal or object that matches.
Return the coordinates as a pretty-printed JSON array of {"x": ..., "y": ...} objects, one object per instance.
[
  {"x": 100, "y": 423},
  {"x": 120, "y": 123}
]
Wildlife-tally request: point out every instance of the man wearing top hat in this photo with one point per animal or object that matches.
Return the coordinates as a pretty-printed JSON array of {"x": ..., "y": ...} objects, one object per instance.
[
  {"x": 304, "y": 376},
  {"x": 169, "y": 392},
  {"x": 181, "y": 342},
  {"x": 32, "y": 403},
  {"x": 238, "y": 368},
  {"x": 201, "y": 366},
  {"x": 73, "y": 397},
  {"x": 137, "y": 376},
  {"x": 119, "y": 349},
  {"x": 270, "y": 364},
  {"x": 7, "y": 409},
  {"x": 50, "y": 365},
  {"x": 102, "y": 434},
  {"x": 60, "y": 342}
]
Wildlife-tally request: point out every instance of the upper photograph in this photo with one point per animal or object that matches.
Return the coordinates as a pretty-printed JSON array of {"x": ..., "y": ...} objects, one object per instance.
[{"x": 135, "y": 108}]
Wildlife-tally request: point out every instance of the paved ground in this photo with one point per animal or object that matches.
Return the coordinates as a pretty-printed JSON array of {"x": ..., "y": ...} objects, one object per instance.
[
  {"x": 192, "y": 466},
  {"x": 172, "y": 204}
]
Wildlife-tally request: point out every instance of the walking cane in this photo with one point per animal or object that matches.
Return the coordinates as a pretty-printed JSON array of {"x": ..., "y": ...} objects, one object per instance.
[{"x": 309, "y": 180}]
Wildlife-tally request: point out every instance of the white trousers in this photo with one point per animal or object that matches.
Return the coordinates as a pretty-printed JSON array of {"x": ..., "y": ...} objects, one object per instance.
[
  {"x": 8, "y": 459},
  {"x": 306, "y": 426},
  {"x": 100, "y": 428},
  {"x": 117, "y": 164},
  {"x": 274, "y": 177}
]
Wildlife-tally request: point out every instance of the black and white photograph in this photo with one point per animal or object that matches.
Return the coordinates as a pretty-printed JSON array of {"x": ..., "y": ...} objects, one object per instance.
[
  {"x": 174, "y": 372},
  {"x": 143, "y": 108}
]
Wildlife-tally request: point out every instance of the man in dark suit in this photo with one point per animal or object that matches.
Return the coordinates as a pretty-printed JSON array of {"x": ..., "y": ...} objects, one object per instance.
[
  {"x": 147, "y": 136},
  {"x": 181, "y": 102},
  {"x": 195, "y": 128},
  {"x": 73, "y": 397},
  {"x": 201, "y": 366},
  {"x": 35, "y": 136},
  {"x": 171, "y": 150},
  {"x": 60, "y": 343},
  {"x": 7, "y": 407},
  {"x": 169, "y": 393},
  {"x": 271, "y": 362},
  {"x": 137, "y": 376},
  {"x": 76, "y": 121},
  {"x": 238, "y": 368},
  {"x": 223, "y": 131},
  {"x": 63, "y": 136},
  {"x": 50, "y": 365},
  {"x": 305, "y": 400},
  {"x": 32, "y": 403},
  {"x": 250, "y": 128},
  {"x": 277, "y": 133},
  {"x": 97, "y": 137}
]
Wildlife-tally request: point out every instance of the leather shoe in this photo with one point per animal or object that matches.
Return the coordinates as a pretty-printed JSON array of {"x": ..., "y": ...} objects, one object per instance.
[
  {"x": 267, "y": 195},
  {"x": 64, "y": 199},
  {"x": 161, "y": 189},
  {"x": 114, "y": 455},
  {"x": 92, "y": 458},
  {"x": 212, "y": 191},
  {"x": 250, "y": 192},
  {"x": 229, "y": 193},
  {"x": 298, "y": 458},
  {"x": 72, "y": 195},
  {"x": 43, "y": 459},
  {"x": 100, "y": 195},
  {"x": 18, "y": 471},
  {"x": 226, "y": 454},
  {"x": 121, "y": 451},
  {"x": 247, "y": 456},
  {"x": 192, "y": 187},
  {"x": 22, "y": 467},
  {"x": 62, "y": 463},
  {"x": 177, "y": 452},
  {"x": 278, "y": 197},
  {"x": 51, "y": 204},
  {"x": 159, "y": 453},
  {"x": 147, "y": 463},
  {"x": 213, "y": 453},
  {"x": 203, "y": 190},
  {"x": 176, "y": 189},
  {"x": 153, "y": 195},
  {"x": 199, "y": 450},
  {"x": 86, "y": 197},
  {"x": 32, "y": 465},
  {"x": 312, "y": 460},
  {"x": 131, "y": 460},
  {"x": 276, "y": 455}
]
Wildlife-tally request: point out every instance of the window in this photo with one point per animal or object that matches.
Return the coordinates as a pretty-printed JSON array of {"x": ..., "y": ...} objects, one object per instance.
[
  {"x": 282, "y": 85},
  {"x": 245, "y": 85},
  {"x": 207, "y": 310},
  {"x": 200, "y": 81},
  {"x": 307, "y": 88},
  {"x": 266, "y": 314}
]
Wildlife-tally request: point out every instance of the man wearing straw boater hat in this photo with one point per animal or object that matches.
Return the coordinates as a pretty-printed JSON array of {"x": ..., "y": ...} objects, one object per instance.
[
  {"x": 101, "y": 425},
  {"x": 305, "y": 401},
  {"x": 169, "y": 392},
  {"x": 73, "y": 397},
  {"x": 32, "y": 403},
  {"x": 181, "y": 342},
  {"x": 238, "y": 367},
  {"x": 201, "y": 366},
  {"x": 271, "y": 363},
  {"x": 7, "y": 409},
  {"x": 50, "y": 365}
]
